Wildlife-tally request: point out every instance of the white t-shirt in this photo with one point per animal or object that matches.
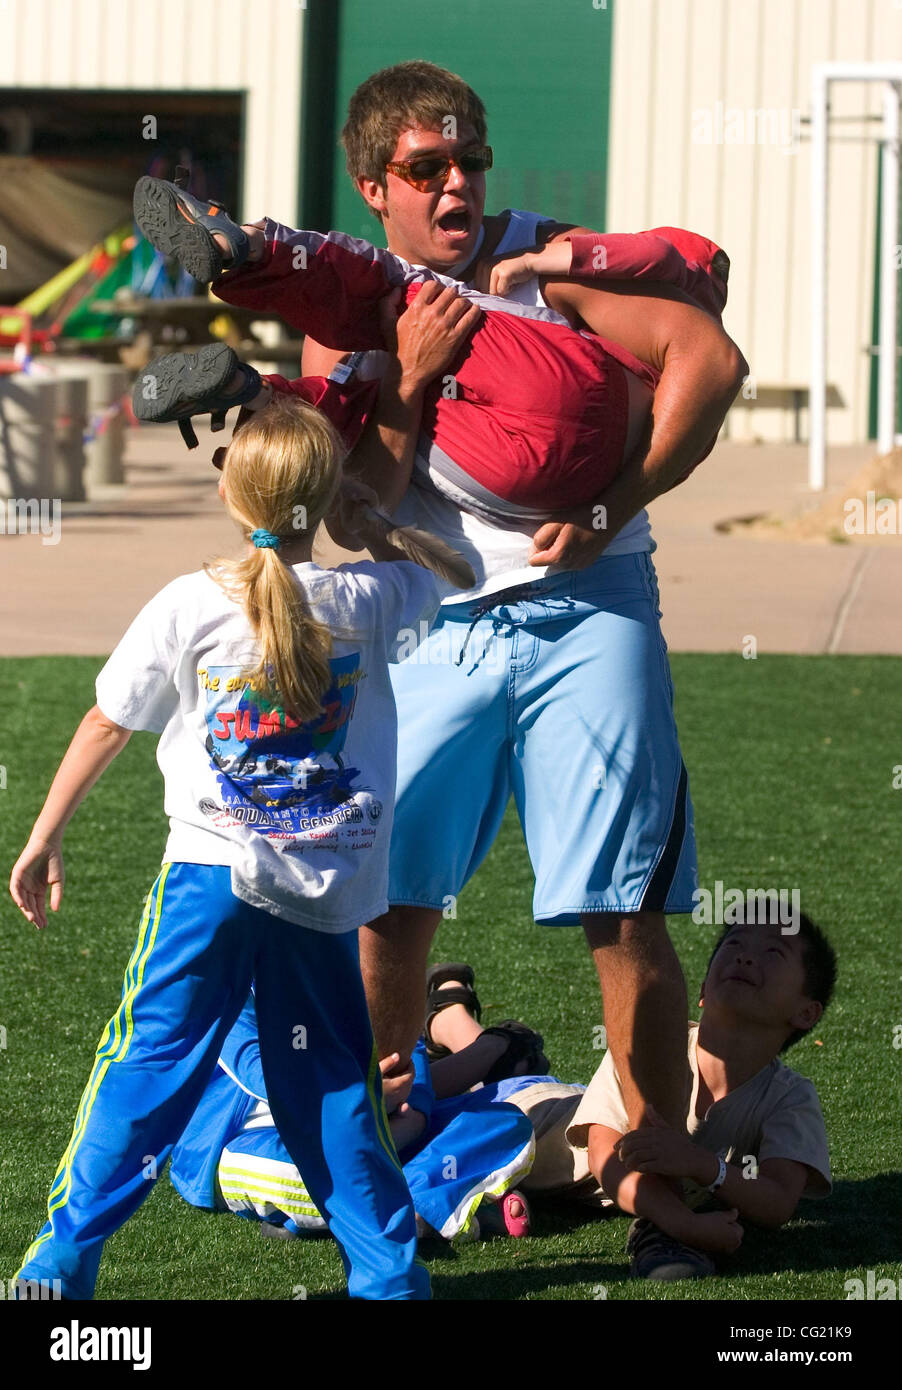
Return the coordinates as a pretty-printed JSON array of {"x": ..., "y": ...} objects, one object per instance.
[
  {"x": 499, "y": 556},
  {"x": 301, "y": 813}
]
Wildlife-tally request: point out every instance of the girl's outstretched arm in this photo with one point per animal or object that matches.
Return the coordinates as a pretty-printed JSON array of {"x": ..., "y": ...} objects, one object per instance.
[{"x": 39, "y": 867}]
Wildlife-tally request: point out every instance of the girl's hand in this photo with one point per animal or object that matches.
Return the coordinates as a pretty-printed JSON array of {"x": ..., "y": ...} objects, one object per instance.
[
  {"x": 39, "y": 867},
  {"x": 501, "y": 276},
  {"x": 397, "y": 1080}
]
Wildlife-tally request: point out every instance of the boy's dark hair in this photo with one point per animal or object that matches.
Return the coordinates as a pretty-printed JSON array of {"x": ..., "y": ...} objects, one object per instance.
[
  {"x": 818, "y": 959},
  {"x": 409, "y": 94}
]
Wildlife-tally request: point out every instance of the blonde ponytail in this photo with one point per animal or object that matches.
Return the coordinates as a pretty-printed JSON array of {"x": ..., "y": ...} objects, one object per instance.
[{"x": 281, "y": 474}]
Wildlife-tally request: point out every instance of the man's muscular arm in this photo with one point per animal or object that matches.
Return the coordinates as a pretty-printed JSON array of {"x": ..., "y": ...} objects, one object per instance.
[
  {"x": 429, "y": 334},
  {"x": 701, "y": 371}
]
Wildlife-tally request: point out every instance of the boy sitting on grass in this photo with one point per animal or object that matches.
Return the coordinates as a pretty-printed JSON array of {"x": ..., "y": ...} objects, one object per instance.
[{"x": 755, "y": 1140}]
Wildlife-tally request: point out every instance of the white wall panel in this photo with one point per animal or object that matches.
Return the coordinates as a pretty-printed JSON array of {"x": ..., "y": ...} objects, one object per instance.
[
  {"x": 673, "y": 58},
  {"x": 175, "y": 45}
]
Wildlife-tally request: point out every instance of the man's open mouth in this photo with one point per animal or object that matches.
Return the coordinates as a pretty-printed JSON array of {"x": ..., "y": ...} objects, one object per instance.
[{"x": 455, "y": 223}]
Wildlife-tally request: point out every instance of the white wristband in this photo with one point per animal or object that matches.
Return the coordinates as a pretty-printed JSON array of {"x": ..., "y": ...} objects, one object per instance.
[{"x": 721, "y": 1173}]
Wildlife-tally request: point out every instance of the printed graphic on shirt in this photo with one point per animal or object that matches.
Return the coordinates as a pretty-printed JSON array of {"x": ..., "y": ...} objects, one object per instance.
[{"x": 284, "y": 779}]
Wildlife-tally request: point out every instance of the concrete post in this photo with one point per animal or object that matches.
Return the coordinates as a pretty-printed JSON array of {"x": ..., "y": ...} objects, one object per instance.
[
  {"x": 27, "y": 420},
  {"x": 71, "y": 424},
  {"x": 107, "y": 385}
]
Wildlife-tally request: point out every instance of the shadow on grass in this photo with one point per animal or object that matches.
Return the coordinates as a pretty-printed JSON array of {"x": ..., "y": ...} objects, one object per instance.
[
  {"x": 519, "y": 1283},
  {"x": 860, "y": 1223},
  {"x": 858, "y": 1226}
]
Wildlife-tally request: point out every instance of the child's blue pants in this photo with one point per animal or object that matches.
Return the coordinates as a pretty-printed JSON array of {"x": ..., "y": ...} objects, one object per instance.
[{"x": 199, "y": 948}]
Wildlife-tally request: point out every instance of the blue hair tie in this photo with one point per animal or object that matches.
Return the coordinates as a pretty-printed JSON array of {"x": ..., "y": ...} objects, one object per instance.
[{"x": 265, "y": 540}]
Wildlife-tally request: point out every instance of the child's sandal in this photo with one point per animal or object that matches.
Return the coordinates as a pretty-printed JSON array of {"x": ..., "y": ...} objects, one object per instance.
[
  {"x": 193, "y": 383},
  {"x": 438, "y": 999},
  {"x": 497, "y": 1219},
  {"x": 179, "y": 224},
  {"x": 523, "y": 1045}
]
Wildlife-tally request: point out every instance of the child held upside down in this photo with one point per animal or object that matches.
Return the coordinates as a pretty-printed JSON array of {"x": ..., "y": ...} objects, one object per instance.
[{"x": 535, "y": 416}]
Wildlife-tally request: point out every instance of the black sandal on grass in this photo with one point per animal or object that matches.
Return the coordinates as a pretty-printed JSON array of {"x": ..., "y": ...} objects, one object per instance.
[
  {"x": 180, "y": 225},
  {"x": 438, "y": 999},
  {"x": 182, "y": 384},
  {"x": 523, "y": 1045}
]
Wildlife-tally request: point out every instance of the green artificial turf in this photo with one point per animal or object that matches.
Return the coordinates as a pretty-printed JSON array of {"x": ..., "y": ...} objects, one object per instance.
[{"x": 791, "y": 764}]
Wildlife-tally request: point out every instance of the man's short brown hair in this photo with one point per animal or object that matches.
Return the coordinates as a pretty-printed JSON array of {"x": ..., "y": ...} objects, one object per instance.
[{"x": 396, "y": 99}]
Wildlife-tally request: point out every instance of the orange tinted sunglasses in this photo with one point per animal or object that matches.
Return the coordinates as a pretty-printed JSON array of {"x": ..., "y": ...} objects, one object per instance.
[{"x": 429, "y": 171}]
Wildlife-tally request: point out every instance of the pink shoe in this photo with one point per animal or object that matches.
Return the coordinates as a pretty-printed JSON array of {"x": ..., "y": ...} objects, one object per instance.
[{"x": 496, "y": 1217}]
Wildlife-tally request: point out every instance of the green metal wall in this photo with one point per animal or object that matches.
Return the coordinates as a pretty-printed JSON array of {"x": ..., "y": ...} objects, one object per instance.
[{"x": 542, "y": 67}]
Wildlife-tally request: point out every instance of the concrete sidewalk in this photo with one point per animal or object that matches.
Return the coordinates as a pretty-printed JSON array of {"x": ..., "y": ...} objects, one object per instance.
[
  {"x": 792, "y": 596},
  {"x": 717, "y": 590}
]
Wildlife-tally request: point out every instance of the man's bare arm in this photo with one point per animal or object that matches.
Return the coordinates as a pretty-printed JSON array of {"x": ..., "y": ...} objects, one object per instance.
[
  {"x": 429, "y": 334},
  {"x": 701, "y": 371}
]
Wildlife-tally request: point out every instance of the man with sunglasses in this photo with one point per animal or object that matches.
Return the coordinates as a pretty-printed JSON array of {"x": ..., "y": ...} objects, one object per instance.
[
  {"x": 549, "y": 680},
  {"x": 573, "y": 712}
]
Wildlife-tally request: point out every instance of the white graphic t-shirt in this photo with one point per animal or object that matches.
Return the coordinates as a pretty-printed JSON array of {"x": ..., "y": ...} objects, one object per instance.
[{"x": 301, "y": 812}]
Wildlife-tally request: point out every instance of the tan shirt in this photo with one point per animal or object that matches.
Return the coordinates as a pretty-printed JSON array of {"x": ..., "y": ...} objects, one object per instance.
[
  {"x": 558, "y": 1167},
  {"x": 775, "y": 1114}
]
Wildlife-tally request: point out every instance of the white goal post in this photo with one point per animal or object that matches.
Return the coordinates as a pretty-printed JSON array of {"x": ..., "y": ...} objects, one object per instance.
[{"x": 822, "y": 74}]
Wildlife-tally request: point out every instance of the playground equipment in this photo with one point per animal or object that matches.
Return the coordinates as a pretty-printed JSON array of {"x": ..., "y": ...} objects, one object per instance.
[{"x": 62, "y": 418}]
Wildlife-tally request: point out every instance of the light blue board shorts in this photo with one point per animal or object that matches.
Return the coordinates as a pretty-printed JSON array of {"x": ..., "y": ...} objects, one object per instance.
[{"x": 563, "y": 698}]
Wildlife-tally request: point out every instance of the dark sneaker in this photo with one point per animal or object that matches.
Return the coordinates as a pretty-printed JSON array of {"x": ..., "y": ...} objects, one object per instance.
[
  {"x": 180, "y": 225},
  {"x": 182, "y": 384},
  {"x": 654, "y": 1255},
  {"x": 274, "y": 1232}
]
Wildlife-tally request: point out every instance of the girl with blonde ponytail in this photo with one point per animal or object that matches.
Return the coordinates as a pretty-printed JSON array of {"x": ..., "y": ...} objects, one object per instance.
[
  {"x": 280, "y": 476},
  {"x": 267, "y": 680}
]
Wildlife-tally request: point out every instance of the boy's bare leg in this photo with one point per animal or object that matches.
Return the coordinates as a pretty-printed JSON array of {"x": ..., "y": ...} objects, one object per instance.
[
  {"x": 474, "y": 1052},
  {"x": 645, "y": 1011},
  {"x": 394, "y": 950},
  {"x": 454, "y": 1027},
  {"x": 254, "y": 232}
]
